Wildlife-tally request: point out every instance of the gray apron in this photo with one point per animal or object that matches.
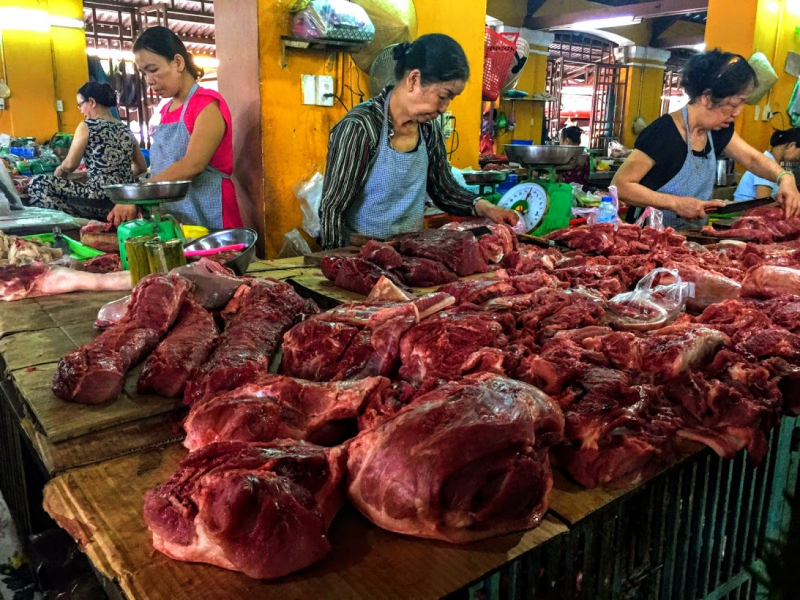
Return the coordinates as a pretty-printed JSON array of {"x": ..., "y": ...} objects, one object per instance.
[
  {"x": 203, "y": 202},
  {"x": 695, "y": 179},
  {"x": 393, "y": 199}
]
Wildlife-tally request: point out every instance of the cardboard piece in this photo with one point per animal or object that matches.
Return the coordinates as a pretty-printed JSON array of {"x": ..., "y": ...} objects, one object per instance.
[{"x": 101, "y": 506}]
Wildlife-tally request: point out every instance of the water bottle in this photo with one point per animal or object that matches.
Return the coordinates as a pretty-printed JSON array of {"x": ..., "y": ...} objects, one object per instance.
[{"x": 606, "y": 213}]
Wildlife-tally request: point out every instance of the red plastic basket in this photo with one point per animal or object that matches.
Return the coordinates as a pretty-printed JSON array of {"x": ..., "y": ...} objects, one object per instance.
[{"x": 498, "y": 56}]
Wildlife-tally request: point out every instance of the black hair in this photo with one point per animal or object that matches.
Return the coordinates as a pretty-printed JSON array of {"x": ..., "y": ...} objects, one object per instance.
[
  {"x": 438, "y": 57},
  {"x": 785, "y": 136},
  {"x": 102, "y": 93},
  {"x": 160, "y": 40},
  {"x": 573, "y": 134},
  {"x": 721, "y": 74}
]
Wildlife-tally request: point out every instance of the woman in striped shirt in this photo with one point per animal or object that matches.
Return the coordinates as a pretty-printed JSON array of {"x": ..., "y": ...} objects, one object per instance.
[{"x": 387, "y": 156}]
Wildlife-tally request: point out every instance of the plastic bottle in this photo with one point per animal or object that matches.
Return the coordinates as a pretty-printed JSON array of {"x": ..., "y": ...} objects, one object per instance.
[{"x": 607, "y": 213}]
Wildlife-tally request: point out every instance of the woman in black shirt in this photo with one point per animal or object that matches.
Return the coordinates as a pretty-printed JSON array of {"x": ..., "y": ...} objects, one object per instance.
[{"x": 673, "y": 164}]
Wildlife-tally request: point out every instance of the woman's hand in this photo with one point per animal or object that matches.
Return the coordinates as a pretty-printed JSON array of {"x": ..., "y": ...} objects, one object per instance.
[
  {"x": 692, "y": 208},
  {"x": 788, "y": 197},
  {"x": 61, "y": 171},
  {"x": 484, "y": 208},
  {"x": 122, "y": 213}
]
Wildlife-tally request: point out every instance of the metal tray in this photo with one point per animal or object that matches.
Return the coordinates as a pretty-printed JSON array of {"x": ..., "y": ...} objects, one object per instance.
[
  {"x": 134, "y": 192},
  {"x": 485, "y": 177}
]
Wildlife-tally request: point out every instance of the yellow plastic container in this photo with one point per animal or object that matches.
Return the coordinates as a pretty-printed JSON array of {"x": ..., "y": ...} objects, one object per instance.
[{"x": 194, "y": 231}]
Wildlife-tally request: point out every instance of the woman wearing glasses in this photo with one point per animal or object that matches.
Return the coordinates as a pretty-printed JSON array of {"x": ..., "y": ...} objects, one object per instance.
[
  {"x": 107, "y": 147},
  {"x": 673, "y": 164}
]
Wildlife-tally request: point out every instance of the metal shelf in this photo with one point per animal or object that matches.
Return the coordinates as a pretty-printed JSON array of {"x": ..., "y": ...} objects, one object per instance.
[
  {"x": 325, "y": 45},
  {"x": 508, "y": 99}
]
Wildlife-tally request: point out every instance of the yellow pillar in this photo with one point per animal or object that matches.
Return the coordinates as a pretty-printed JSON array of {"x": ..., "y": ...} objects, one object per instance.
[
  {"x": 529, "y": 115},
  {"x": 42, "y": 64},
  {"x": 645, "y": 78}
]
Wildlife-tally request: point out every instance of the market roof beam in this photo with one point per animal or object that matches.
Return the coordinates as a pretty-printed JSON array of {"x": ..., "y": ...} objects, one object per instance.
[
  {"x": 172, "y": 14},
  {"x": 96, "y": 30},
  {"x": 678, "y": 42},
  {"x": 659, "y": 8}
]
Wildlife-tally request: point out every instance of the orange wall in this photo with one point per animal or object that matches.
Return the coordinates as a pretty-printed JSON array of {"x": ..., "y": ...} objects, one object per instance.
[
  {"x": 43, "y": 67},
  {"x": 295, "y": 137}
]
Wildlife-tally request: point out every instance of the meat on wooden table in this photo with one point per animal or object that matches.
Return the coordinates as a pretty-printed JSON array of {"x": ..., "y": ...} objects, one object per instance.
[{"x": 31, "y": 281}]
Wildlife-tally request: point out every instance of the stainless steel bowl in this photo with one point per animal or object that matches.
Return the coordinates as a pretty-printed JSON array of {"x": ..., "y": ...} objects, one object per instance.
[
  {"x": 161, "y": 190},
  {"x": 485, "y": 177},
  {"x": 227, "y": 237},
  {"x": 561, "y": 157}
]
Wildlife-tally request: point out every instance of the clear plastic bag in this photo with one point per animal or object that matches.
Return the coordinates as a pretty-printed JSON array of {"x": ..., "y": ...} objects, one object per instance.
[
  {"x": 294, "y": 244},
  {"x": 309, "y": 195},
  {"x": 111, "y": 313},
  {"x": 658, "y": 299},
  {"x": 651, "y": 217},
  {"x": 591, "y": 213},
  {"x": 333, "y": 19}
]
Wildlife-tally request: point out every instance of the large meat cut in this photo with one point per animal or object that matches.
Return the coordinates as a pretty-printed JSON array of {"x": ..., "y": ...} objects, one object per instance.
[
  {"x": 501, "y": 241},
  {"x": 461, "y": 463},
  {"x": 256, "y": 318},
  {"x": 185, "y": 348},
  {"x": 458, "y": 250},
  {"x": 30, "y": 281},
  {"x": 354, "y": 340},
  {"x": 262, "y": 509},
  {"x": 763, "y": 225},
  {"x": 278, "y": 407},
  {"x": 95, "y": 373}
]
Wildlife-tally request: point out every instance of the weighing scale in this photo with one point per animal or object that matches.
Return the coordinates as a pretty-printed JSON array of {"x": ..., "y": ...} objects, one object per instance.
[
  {"x": 148, "y": 197},
  {"x": 544, "y": 204}
]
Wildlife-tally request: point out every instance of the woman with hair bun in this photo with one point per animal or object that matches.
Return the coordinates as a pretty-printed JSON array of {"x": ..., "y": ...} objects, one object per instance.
[
  {"x": 194, "y": 140},
  {"x": 387, "y": 156},
  {"x": 785, "y": 147},
  {"x": 673, "y": 164},
  {"x": 111, "y": 153}
]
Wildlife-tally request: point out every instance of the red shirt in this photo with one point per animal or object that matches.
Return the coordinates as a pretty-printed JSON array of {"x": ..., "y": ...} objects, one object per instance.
[{"x": 222, "y": 159}]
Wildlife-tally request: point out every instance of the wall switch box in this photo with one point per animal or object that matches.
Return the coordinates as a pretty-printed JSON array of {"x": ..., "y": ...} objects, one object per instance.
[
  {"x": 2, "y": 104},
  {"x": 308, "y": 84},
  {"x": 59, "y": 106},
  {"x": 325, "y": 90},
  {"x": 767, "y": 113}
]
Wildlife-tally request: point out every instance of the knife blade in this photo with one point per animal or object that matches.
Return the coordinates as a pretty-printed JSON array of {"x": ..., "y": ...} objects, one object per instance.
[{"x": 743, "y": 205}]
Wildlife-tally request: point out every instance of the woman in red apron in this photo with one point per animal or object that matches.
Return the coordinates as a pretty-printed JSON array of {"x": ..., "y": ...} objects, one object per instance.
[{"x": 194, "y": 140}]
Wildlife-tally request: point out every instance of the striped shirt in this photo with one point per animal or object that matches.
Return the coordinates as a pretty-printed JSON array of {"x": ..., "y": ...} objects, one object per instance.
[{"x": 352, "y": 150}]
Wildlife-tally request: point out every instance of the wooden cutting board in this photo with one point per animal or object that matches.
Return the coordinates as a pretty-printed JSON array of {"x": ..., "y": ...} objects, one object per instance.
[{"x": 101, "y": 506}]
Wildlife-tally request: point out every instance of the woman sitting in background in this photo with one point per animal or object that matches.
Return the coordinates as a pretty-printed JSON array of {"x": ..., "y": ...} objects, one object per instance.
[
  {"x": 785, "y": 147},
  {"x": 111, "y": 153},
  {"x": 571, "y": 136}
]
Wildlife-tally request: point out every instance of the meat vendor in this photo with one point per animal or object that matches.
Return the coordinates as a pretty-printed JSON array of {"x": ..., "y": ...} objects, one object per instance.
[
  {"x": 194, "y": 140},
  {"x": 387, "y": 156},
  {"x": 673, "y": 164}
]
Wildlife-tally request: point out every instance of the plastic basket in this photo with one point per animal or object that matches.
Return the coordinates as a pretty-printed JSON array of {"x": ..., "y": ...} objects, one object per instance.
[{"x": 498, "y": 56}]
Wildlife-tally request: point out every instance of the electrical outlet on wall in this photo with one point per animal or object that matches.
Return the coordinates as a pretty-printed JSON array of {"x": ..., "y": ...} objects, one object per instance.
[
  {"x": 447, "y": 124},
  {"x": 325, "y": 90},
  {"x": 757, "y": 112},
  {"x": 59, "y": 106}
]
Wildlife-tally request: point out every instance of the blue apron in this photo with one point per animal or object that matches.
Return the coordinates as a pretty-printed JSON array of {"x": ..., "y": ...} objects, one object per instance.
[
  {"x": 203, "y": 202},
  {"x": 393, "y": 199},
  {"x": 695, "y": 179}
]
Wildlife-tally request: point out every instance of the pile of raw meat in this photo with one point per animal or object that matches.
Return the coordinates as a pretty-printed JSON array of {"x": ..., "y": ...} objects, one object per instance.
[
  {"x": 764, "y": 225},
  {"x": 422, "y": 259},
  {"x": 439, "y": 415}
]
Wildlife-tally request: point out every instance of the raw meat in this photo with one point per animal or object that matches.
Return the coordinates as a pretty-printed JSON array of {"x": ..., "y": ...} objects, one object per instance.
[
  {"x": 502, "y": 240},
  {"x": 381, "y": 254},
  {"x": 355, "y": 274},
  {"x": 186, "y": 348},
  {"x": 386, "y": 291},
  {"x": 439, "y": 346},
  {"x": 769, "y": 282},
  {"x": 458, "y": 250},
  {"x": 262, "y": 509},
  {"x": 709, "y": 287},
  {"x": 256, "y": 318},
  {"x": 528, "y": 259},
  {"x": 763, "y": 224},
  {"x": 478, "y": 291},
  {"x": 95, "y": 373},
  {"x": 422, "y": 272},
  {"x": 277, "y": 407},
  {"x": 35, "y": 280},
  {"x": 464, "y": 462},
  {"x": 97, "y": 227},
  {"x": 354, "y": 340},
  {"x": 214, "y": 284},
  {"x": 605, "y": 238},
  {"x": 105, "y": 263}
]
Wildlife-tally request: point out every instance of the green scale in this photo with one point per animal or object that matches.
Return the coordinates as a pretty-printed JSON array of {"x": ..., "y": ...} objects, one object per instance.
[
  {"x": 544, "y": 204},
  {"x": 148, "y": 197}
]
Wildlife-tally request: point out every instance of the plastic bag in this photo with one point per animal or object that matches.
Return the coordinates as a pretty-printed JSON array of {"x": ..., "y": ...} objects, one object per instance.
[
  {"x": 651, "y": 217},
  {"x": 765, "y": 75},
  {"x": 658, "y": 299},
  {"x": 591, "y": 213},
  {"x": 333, "y": 19},
  {"x": 617, "y": 150},
  {"x": 309, "y": 194},
  {"x": 111, "y": 313},
  {"x": 294, "y": 244}
]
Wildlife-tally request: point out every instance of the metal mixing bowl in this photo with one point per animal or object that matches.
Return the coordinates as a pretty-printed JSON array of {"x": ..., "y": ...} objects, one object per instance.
[
  {"x": 162, "y": 190},
  {"x": 561, "y": 157},
  {"x": 485, "y": 177},
  {"x": 227, "y": 237}
]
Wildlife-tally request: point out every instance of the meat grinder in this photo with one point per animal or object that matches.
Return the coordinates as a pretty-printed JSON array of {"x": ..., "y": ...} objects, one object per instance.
[{"x": 148, "y": 197}]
